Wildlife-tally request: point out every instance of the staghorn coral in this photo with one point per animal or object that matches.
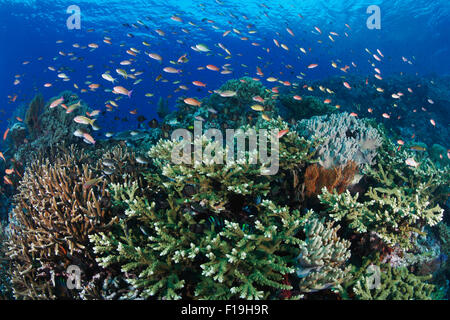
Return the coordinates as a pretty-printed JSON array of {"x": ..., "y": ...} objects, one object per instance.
[
  {"x": 206, "y": 230},
  {"x": 321, "y": 262},
  {"x": 58, "y": 205},
  {"x": 338, "y": 178},
  {"x": 393, "y": 284},
  {"x": 395, "y": 216},
  {"x": 343, "y": 138}
]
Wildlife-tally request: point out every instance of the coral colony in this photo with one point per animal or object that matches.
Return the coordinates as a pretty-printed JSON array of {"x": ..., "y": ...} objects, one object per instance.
[
  {"x": 258, "y": 183},
  {"x": 257, "y": 142}
]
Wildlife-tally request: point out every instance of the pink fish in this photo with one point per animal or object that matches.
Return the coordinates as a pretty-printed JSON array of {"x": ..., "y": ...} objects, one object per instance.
[
  {"x": 56, "y": 103},
  {"x": 122, "y": 90}
]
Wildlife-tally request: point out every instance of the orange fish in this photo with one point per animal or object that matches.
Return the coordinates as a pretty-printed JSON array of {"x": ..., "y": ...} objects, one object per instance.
[
  {"x": 198, "y": 84},
  {"x": 9, "y": 171},
  {"x": 88, "y": 138},
  {"x": 133, "y": 111},
  {"x": 347, "y": 85},
  {"x": 2, "y": 156},
  {"x": 312, "y": 65},
  {"x": 282, "y": 133},
  {"x": 192, "y": 102},
  {"x": 7, "y": 180},
  {"x": 433, "y": 122},
  {"x": 5, "y": 134},
  {"x": 212, "y": 67}
]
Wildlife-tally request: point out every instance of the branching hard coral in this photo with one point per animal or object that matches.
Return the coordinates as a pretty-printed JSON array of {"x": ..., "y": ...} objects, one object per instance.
[
  {"x": 392, "y": 284},
  {"x": 392, "y": 171},
  {"x": 206, "y": 230},
  {"x": 306, "y": 108},
  {"x": 343, "y": 137},
  {"x": 399, "y": 203},
  {"x": 338, "y": 178},
  {"x": 321, "y": 263},
  {"x": 57, "y": 206},
  {"x": 395, "y": 216}
]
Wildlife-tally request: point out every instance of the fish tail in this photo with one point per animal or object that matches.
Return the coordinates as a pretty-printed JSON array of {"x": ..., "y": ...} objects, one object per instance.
[{"x": 129, "y": 93}]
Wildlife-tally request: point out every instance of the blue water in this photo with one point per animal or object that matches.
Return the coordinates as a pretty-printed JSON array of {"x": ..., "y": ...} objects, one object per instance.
[{"x": 417, "y": 30}]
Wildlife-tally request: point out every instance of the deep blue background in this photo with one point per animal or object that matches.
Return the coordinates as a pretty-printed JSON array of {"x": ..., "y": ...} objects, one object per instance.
[{"x": 418, "y": 30}]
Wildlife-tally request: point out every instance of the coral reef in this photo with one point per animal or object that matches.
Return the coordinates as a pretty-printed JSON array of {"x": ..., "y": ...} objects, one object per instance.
[
  {"x": 226, "y": 112},
  {"x": 48, "y": 127},
  {"x": 343, "y": 138},
  {"x": 344, "y": 199},
  {"x": 394, "y": 284}
]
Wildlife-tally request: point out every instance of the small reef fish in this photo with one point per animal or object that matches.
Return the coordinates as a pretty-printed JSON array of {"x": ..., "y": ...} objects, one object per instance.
[
  {"x": 108, "y": 77},
  {"x": 56, "y": 103},
  {"x": 83, "y": 120},
  {"x": 192, "y": 102},
  {"x": 227, "y": 93},
  {"x": 88, "y": 184},
  {"x": 122, "y": 90},
  {"x": 72, "y": 107},
  {"x": 411, "y": 162},
  {"x": 282, "y": 133}
]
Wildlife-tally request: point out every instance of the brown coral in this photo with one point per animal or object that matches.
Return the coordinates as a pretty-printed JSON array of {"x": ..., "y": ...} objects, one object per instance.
[
  {"x": 57, "y": 207},
  {"x": 337, "y": 178}
]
